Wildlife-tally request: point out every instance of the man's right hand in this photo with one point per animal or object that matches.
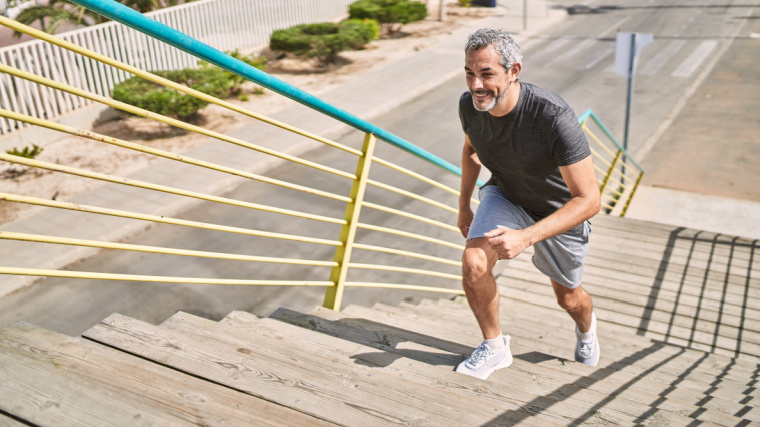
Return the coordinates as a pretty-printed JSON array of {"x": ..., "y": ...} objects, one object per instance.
[{"x": 464, "y": 220}]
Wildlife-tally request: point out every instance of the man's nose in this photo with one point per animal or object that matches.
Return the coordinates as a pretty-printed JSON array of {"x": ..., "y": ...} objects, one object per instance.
[{"x": 477, "y": 83}]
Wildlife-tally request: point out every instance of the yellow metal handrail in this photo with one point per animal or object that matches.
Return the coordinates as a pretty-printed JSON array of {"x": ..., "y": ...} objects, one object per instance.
[{"x": 350, "y": 225}]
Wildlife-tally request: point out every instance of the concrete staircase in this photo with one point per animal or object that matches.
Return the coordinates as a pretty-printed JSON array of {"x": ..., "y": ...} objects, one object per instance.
[{"x": 679, "y": 329}]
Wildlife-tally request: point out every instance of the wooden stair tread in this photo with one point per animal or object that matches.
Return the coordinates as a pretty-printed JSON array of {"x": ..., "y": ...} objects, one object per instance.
[
  {"x": 184, "y": 396},
  {"x": 46, "y": 395},
  {"x": 390, "y": 339},
  {"x": 524, "y": 342},
  {"x": 348, "y": 397}
]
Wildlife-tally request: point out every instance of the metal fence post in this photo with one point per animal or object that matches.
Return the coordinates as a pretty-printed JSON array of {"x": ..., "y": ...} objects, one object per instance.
[{"x": 334, "y": 294}]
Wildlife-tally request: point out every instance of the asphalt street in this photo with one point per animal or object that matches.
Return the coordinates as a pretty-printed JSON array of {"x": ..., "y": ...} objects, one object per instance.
[{"x": 574, "y": 59}]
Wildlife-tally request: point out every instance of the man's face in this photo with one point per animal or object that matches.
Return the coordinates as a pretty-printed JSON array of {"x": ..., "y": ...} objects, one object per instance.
[{"x": 487, "y": 79}]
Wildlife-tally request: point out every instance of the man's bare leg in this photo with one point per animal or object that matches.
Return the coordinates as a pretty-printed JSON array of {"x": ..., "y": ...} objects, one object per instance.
[
  {"x": 480, "y": 285},
  {"x": 577, "y": 302}
]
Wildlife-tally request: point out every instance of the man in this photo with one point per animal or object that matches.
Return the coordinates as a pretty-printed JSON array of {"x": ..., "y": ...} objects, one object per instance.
[{"x": 542, "y": 191}]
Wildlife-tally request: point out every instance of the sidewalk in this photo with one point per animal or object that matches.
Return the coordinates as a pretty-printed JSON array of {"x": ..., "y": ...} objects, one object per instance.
[{"x": 366, "y": 97}]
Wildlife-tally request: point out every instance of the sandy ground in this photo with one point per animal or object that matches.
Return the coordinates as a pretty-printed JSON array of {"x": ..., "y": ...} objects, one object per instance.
[{"x": 100, "y": 157}]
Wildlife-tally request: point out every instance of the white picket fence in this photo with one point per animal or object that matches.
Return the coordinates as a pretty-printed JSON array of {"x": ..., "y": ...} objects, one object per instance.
[{"x": 224, "y": 24}]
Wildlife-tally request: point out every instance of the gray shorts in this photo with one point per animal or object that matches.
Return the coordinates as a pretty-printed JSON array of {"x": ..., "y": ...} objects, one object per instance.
[{"x": 560, "y": 257}]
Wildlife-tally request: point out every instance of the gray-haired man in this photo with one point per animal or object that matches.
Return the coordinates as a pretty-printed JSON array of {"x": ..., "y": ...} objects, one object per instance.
[{"x": 542, "y": 191}]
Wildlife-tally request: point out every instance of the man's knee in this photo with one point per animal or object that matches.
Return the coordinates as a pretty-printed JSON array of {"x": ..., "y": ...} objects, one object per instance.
[
  {"x": 476, "y": 263},
  {"x": 569, "y": 299}
]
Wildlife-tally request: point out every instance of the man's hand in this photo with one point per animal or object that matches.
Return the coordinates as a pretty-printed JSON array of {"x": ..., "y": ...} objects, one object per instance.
[
  {"x": 464, "y": 220},
  {"x": 507, "y": 243}
]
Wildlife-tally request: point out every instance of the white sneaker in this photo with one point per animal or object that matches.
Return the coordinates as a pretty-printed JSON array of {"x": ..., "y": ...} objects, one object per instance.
[
  {"x": 484, "y": 361},
  {"x": 587, "y": 352}
]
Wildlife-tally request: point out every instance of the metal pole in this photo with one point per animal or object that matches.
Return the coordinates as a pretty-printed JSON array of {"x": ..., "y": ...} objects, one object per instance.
[
  {"x": 525, "y": 15},
  {"x": 631, "y": 67}
]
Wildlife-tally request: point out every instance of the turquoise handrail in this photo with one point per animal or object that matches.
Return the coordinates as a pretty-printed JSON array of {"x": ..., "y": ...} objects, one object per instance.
[
  {"x": 136, "y": 20},
  {"x": 590, "y": 113}
]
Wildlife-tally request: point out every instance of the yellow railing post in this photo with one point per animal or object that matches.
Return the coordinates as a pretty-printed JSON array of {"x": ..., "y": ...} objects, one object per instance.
[
  {"x": 633, "y": 192},
  {"x": 609, "y": 172},
  {"x": 334, "y": 294}
]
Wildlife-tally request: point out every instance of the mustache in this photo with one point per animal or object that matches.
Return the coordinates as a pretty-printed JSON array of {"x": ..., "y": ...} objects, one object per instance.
[{"x": 482, "y": 92}]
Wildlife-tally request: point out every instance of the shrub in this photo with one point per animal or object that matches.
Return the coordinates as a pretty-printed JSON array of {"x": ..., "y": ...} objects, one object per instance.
[
  {"x": 159, "y": 99},
  {"x": 27, "y": 152},
  {"x": 324, "y": 41},
  {"x": 388, "y": 11}
]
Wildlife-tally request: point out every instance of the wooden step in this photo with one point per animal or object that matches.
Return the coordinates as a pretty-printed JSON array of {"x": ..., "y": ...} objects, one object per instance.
[
  {"x": 44, "y": 394},
  {"x": 343, "y": 396},
  {"x": 415, "y": 383},
  {"x": 648, "y": 282},
  {"x": 527, "y": 340},
  {"x": 407, "y": 359},
  {"x": 555, "y": 317},
  {"x": 8, "y": 420},
  {"x": 682, "y": 322},
  {"x": 185, "y": 397},
  {"x": 683, "y": 394},
  {"x": 658, "y": 330},
  {"x": 392, "y": 339},
  {"x": 587, "y": 398}
]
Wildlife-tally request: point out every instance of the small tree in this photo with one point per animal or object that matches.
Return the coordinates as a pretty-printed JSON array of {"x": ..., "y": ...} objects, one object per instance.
[
  {"x": 324, "y": 41},
  {"x": 389, "y": 12}
]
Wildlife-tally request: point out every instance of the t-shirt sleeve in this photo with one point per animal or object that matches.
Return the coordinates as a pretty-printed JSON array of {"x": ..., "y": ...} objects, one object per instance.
[
  {"x": 570, "y": 143},
  {"x": 462, "y": 106}
]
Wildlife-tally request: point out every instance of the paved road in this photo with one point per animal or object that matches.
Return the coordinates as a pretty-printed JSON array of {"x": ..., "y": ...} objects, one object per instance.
[{"x": 574, "y": 59}]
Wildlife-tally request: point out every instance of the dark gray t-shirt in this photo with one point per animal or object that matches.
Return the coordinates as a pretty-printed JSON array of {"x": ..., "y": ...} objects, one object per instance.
[{"x": 524, "y": 149}]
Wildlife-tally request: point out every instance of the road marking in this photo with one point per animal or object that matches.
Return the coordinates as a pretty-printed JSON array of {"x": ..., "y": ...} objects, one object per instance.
[
  {"x": 551, "y": 47},
  {"x": 597, "y": 57},
  {"x": 690, "y": 64},
  {"x": 579, "y": 47},
  {"x": 654, "y": 64}
]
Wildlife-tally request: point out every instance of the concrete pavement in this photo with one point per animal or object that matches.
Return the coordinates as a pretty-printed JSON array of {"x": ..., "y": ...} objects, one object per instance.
[{"x": 366, "y": 97}]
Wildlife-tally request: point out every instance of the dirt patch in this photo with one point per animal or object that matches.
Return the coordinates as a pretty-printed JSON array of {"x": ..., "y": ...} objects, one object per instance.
[{"x": 113, "y": 160}]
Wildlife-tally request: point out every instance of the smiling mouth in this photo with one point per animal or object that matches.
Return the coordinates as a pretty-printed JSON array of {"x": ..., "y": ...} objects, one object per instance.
[{"x": 482, "y": 95}]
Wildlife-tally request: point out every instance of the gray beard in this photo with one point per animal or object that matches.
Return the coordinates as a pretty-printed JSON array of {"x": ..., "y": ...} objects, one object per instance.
[{"x": 492, "y": 104}]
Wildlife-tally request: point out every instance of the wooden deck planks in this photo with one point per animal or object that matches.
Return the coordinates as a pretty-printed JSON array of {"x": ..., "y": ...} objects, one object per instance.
[
  {"x": 552, "y": 376},
  {"x": 389, "y": 374},
  {"x": 192, "y": 399},
  {"x": 589, "y": 400},
  {"x": 344, "y": 398},
  {"x": 46, "y": 395}
]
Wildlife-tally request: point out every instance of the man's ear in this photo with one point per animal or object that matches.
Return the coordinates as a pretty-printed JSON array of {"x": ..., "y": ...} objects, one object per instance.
[{"x": 515, "y": 71}]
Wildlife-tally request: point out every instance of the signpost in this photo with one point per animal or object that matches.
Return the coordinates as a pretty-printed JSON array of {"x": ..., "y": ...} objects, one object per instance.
[{"x": 627, "y": 49}]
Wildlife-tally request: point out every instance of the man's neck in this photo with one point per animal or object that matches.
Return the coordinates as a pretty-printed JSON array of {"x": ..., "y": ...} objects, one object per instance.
[{"x": 509, "y": 102}]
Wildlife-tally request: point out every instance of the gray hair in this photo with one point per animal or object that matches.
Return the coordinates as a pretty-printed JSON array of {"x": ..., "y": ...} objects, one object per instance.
[{"x": 503, "y": 44}]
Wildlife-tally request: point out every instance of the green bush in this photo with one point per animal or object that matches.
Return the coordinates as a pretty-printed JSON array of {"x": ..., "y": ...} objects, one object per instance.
[
  {"x": 324, "y": 41},
  {"x": 27, "y": 152},
  {"x": 388, "y": 11},
  {"x": 159, "y": 99}
]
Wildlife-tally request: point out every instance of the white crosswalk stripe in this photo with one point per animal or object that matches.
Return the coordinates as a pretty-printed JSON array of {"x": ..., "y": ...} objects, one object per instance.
[
  {"x": 597, "y": 57},
  {"x": 573, "y": 51},
  {"x": 653, "y": 65},
  {"x": 551, "y": 47},
  {"x": 693, "y": 61}
]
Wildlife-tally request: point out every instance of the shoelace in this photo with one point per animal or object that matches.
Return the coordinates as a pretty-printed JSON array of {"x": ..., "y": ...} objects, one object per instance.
[
  {"x": 586, "y": 349},
  {"x": 480, "y": 355}
]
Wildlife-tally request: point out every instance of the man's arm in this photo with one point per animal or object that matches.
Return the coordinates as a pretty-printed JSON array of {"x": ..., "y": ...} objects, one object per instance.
[
  {"x": 470, "y": 172},
  {"x": 585, "y": 203}
]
